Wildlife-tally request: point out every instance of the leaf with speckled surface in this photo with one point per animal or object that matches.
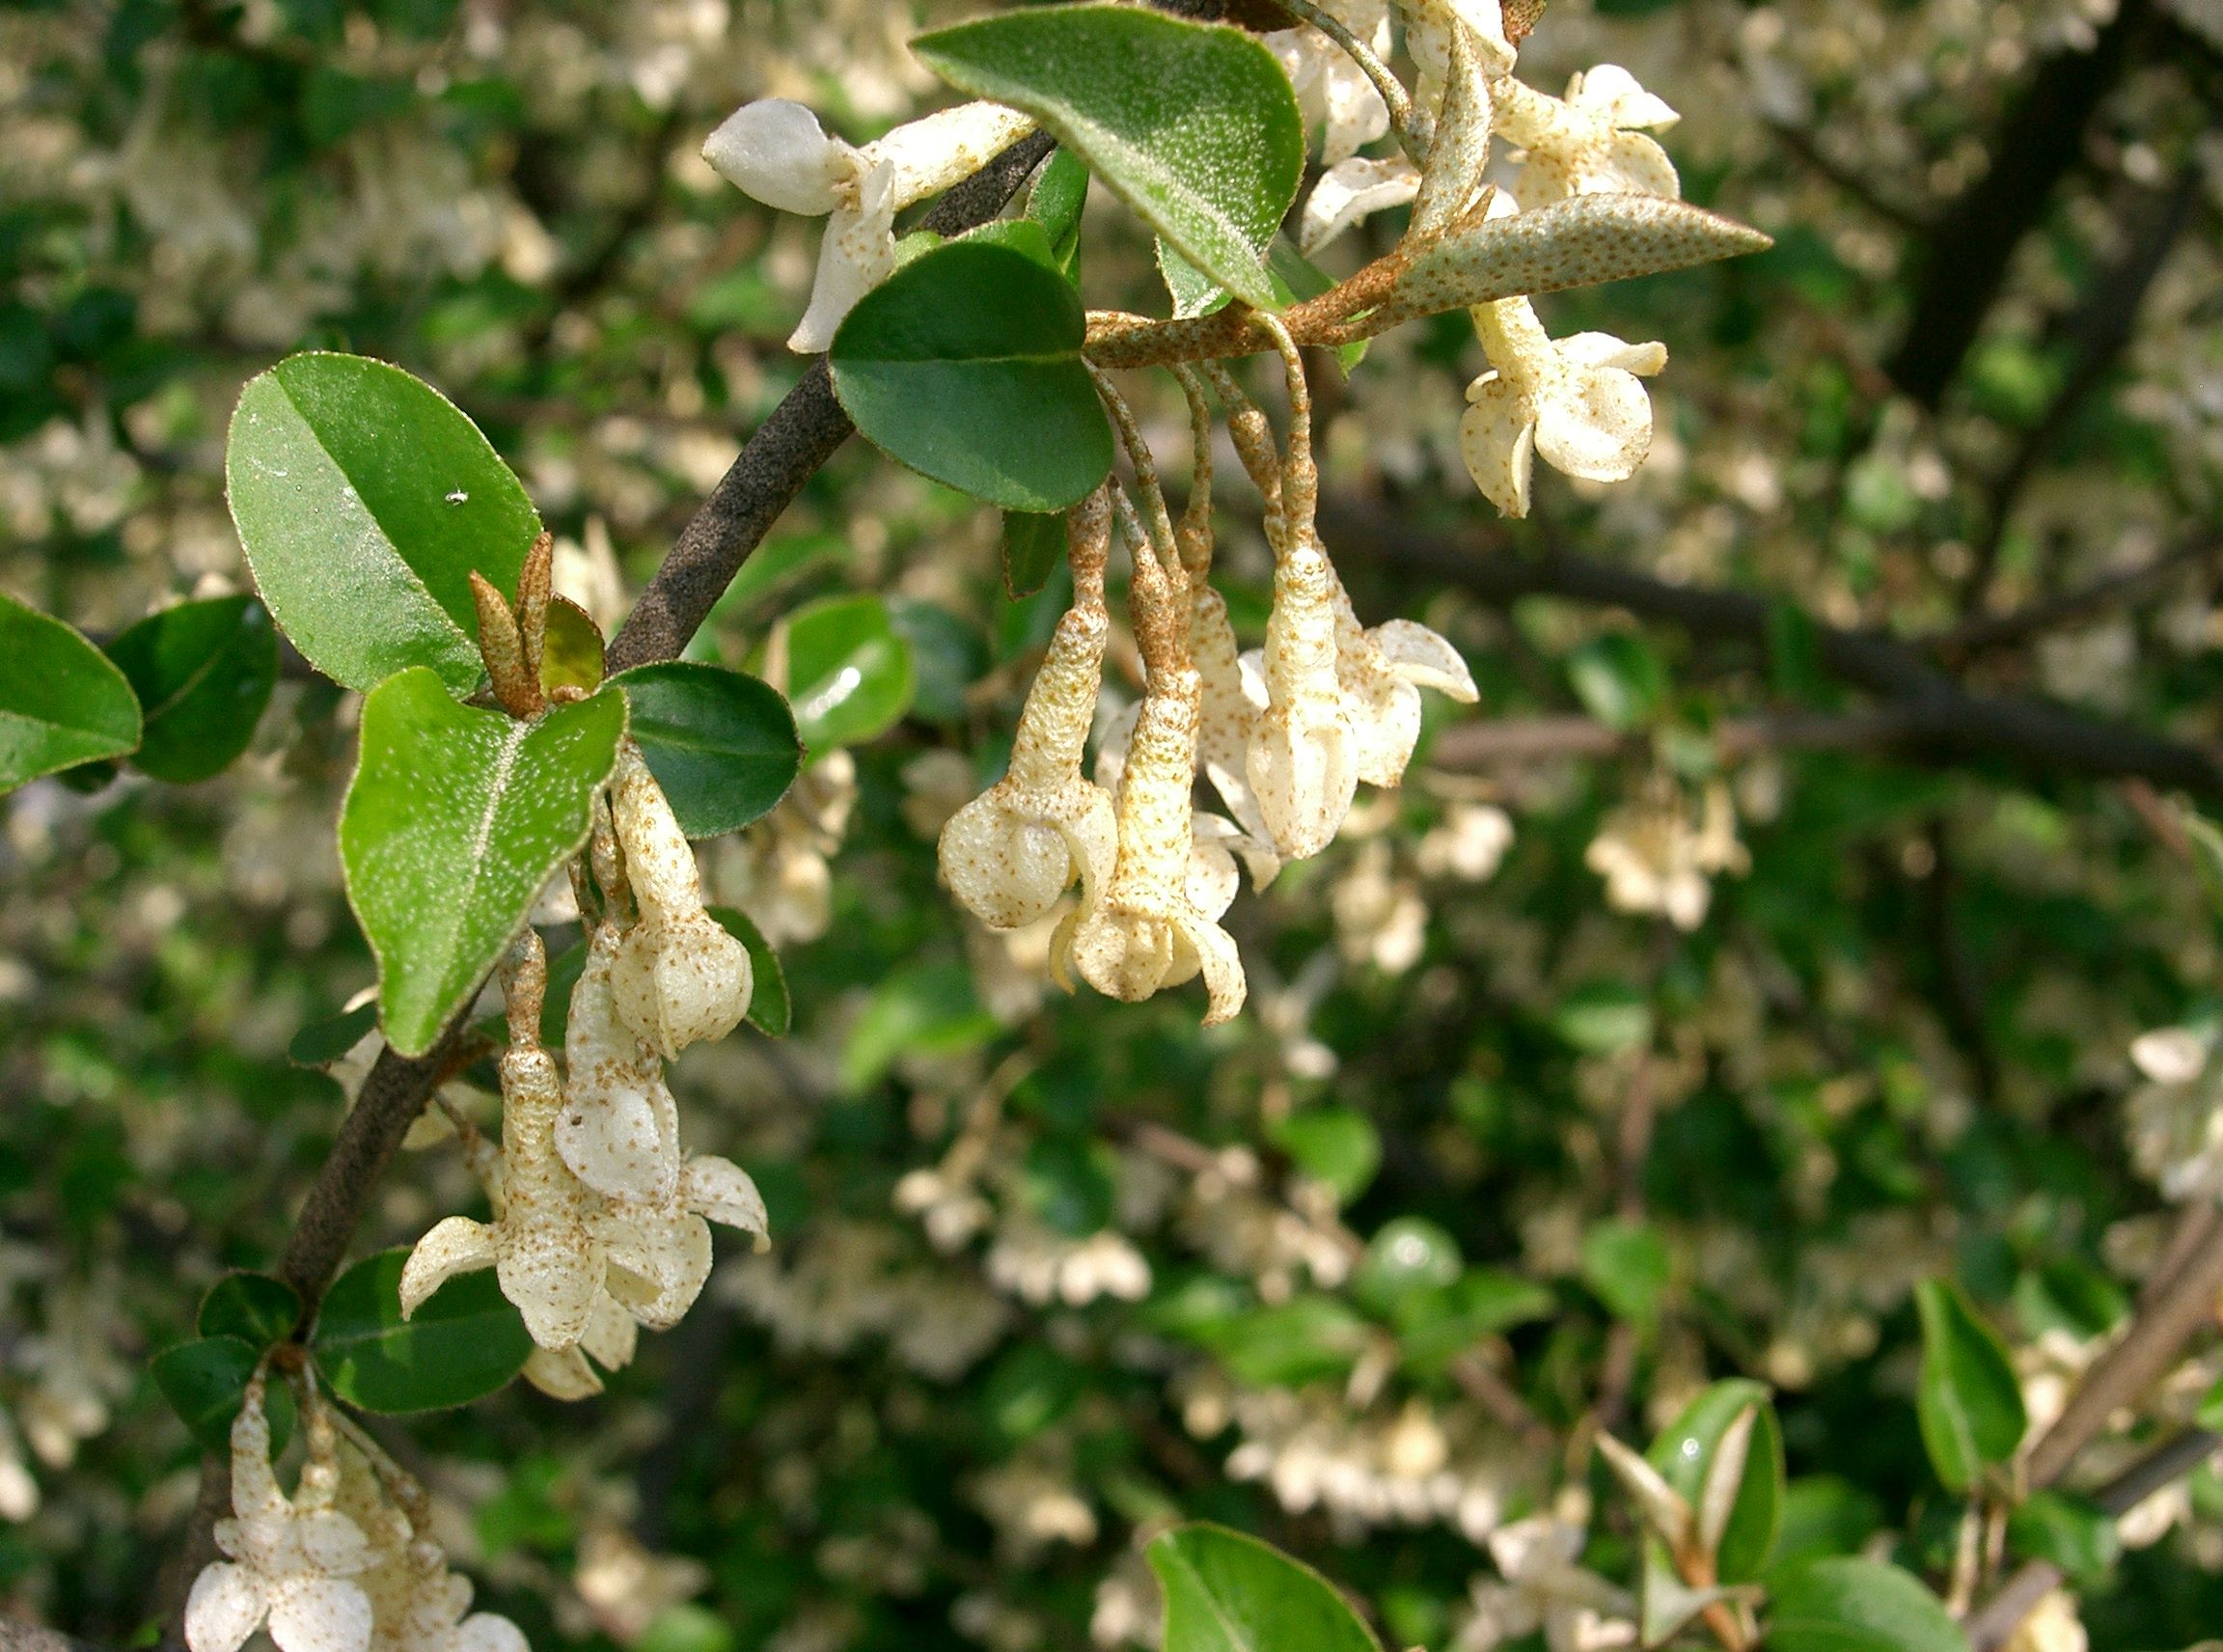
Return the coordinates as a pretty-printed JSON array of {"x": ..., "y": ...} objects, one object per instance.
[
  {"x": 454, "y": 821},
  {"x": 1193, "y": 125},
  {"x": 365, "y": 500}
]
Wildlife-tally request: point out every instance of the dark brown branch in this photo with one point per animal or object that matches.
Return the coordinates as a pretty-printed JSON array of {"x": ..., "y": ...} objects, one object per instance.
[
  {"x": 2101, "y": 331},
  {"x": 2038, "y": 141},
  {"x": 1992, "y": 632},
  {"x": 785, "y": 452},
  {"x": 1942, "y": 722}
]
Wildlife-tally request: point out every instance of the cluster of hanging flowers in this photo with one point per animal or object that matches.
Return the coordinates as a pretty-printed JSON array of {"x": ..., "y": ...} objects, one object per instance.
[
  {"x": 345, "y": 1565},
  {"x": 600, "y": 1220},
  {"x": 1134, "y": 875}
]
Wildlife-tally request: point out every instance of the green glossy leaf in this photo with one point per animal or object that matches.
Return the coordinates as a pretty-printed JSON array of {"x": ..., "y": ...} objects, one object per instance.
[
  {"x": 925, "y": 1009},
  {"x": 1847, "y": 1605},
  {"x": 1193, "y": 125},
  {"x": 1034, "y": 543},
  {"x": 62, "y": 701},
  {"x": 206, "y": 1382},
  {"x": 770, "y": 1009},
  {"x": 1619, "y": 679},
  {"x": 849, "y": 673},
  {"x": 571, "y": 655},
  {"x": 1060, "y": 196},
  {"x": 324, "y": 1042},
  {"x": 2070, "y": 1533},
  {"x": 465, "y": 1342},
  {"x": 1193, "y": 293},
  {"x": 1407, "y": 1254},
  {"x": 1434, "y": 1327},
  {"x": 949, "y": 656},
  {"x": 1968, "y": 1401},
  {"x": 254, "y": 1307},
  {"x": 1626, "y": 1263},
  {"x": 455, "y": 819},
  {"x": 722, "y": 744},
  {"x": 2210, "y": 1412},
  {"x": 1684, "y": 1450},
  {"x": 1338, "y": 1146},
  {"x": 1307, "y": 1339},
  {"x": 365, "y": 500},
  {"x": 1226, "y": 1592},
  {"x": 203, "y": 672},
  {"x": 966, "y": 365}
]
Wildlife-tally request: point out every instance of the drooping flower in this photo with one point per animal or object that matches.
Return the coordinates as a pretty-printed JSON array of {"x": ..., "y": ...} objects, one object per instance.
[
  {"x": 538, "y": 1243},
  {"x": 1545, "y": 1589},
  {"x": 1590, "y": 142},
  {"x": 659, "y": 1250},
  {"x": 1142, "y": 929},
  {"x": 417, "y": 1603},
  {"x": 1381, "y": 672},
  {"x": 618, "y": 1131},
  {"x": 1303, "y": 757},
  {"x": 678, "y": 975},
  {"x": 1577, "y": 401},
  {"x": 776, "y": 151},
  {"x": 292, "y": 1562},
  {"x": 1014, "y": 850},
  {"x": 610, "y": 1338}
]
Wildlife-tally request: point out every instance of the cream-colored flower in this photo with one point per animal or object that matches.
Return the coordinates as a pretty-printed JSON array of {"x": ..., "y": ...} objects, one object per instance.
[
  {"x": 611, "y": 1337},
  {"x": 678, "y": 975},
  {"x": 1657, "y": 860},
  {"x": 1143, "y": 929},
  {"x": 1381, "y": 672},
  {"x": 416, "y": 1604},
  {"x": 1544, "y": 1588},
  {"x": 618, "y": 1131},
  {"x": 1014, "y": 850},
  {"x": 1333, "y": 92},
  {"x": 1575, "y": 402},
  {"x": 2174, "y": 1119},
  {"x": 659, "y": 1250},
  {"x": 1352, "y": 191},
  {"x": 1469, "y": 844},
  {"x": 539, "y": 1244},
  {"x": 1304, "y": 758},
  {"x": 292, "y": 1563},
  {"x": 776, "y": 151},
  {"x": 1229, "y": 700},
  {"x": 1590, "y": 142}
]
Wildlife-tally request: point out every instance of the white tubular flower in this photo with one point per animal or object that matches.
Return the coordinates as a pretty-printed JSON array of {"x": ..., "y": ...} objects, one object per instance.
[
  {"x": 775, "y": 150},
  {"x": 619, "y": 1131},
  {"x": 292, "y": 1563},
  {"x": 1304, "y": 760},
  {"x": 1545, "y": 1589},
  {"x": 1657, "y": 860},
  {"x": 1381, "y": 674},
  {"x": 678, "y": 975},
  {"x": 538, "y": 1243},
  {"x": 1145, "y": 931},
  {"x": 1333, "y": 92},
  {"x": 660, "y": 1252},
  {"x": 1014, "y": 850},
  {"x": 1590, "y": 142},
  {"x": 1214, "y": 842},
  {"x": 1577, "y": 401},
  {"x": 416, "y": 1603}
]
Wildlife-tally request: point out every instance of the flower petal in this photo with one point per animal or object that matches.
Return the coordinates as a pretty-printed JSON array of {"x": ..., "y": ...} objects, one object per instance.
[
  {"x": 225, "y": 1606},
  {"x": 1632, "y": 163},
  {"x": 1224, "y": 985},
  {"x": 454, "y": 1246},
  {"x": 331, "y": 1542},
  {"x": 562, "y": 1373},
  {"x": 1354, "y": 189},
  {"x": 926, "y": 156},
  {"x": 1598, "y": 426},
  {"x": 311, "y": 1613},
  {"x": 1213, "y": 877},
  {"x": 2170, "y": 1055},
  {"x": 487, "y": 1632},
  {"x": 1424, "y": 659},
  {"x": 551, "y": 1272},
  {"x": 1603, "y": 350},
  {"x": 723, "y": 1192},
  {"x": 775, "y": 150},
  {"x": 857, "y": 254},
  {"x": 1495, "y": 436},
  {"x": 1611, "y": 91}
]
